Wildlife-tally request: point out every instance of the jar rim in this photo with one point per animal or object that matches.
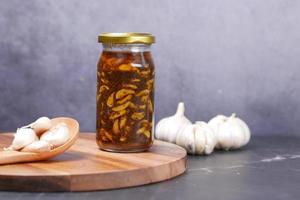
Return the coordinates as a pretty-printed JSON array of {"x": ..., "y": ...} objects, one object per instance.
[{"x": 126, "y": 38}]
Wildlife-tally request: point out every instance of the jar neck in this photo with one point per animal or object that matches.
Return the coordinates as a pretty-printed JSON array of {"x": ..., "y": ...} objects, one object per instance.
[{"x": 126, "y": 47}]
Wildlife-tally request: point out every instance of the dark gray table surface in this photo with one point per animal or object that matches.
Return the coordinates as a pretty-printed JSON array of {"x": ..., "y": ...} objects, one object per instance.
[{"x": 268, "y": 168}]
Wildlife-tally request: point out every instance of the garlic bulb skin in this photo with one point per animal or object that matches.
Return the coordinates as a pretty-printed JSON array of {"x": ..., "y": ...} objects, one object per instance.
[
  {"x": 186, "y": 138},
  {"x": 231, "y": 132},
  {"x": 41, "y": 125},
  {"x": 197, "y": 138},
  {"x": 38, "y": 147},
  {"x": 167, "y": 128},
  {"x": 57, "y": 135},
  {"x": 22, "y": 138},
  {"x": 205, "y": 139}
]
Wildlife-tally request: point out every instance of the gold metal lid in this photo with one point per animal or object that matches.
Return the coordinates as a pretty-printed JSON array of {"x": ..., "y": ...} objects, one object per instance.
[{"x": 126, "y": 38}]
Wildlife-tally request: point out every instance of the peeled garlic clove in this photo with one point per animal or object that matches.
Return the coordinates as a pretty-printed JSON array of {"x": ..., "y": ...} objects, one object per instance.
[
  {"x": 205, "y": 139},
  {"x": 22, "y": 138},
  {"x": 8, "y": 148},
  {"x": 57, "y": 135},
  {"x": 167, "y": 128},
  {"x": 231, "y": 132},
  {"x": 38, "y": 146},
  {"x": 41, "y": 125}
]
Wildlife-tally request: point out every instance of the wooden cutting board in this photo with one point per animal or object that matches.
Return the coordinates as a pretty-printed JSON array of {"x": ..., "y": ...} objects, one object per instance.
[{"x": 84, "y": 168}]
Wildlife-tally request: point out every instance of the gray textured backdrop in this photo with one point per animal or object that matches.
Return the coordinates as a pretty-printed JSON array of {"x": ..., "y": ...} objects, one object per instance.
[{"x": 216, "y": 56}]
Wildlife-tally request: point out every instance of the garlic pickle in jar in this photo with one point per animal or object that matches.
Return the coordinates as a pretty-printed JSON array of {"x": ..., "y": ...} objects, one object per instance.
[{"x": 125, "y": 92}]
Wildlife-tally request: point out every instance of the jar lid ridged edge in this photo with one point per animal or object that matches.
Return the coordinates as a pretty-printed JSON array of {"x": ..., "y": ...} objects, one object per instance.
[{"x": 126, "y": 38}]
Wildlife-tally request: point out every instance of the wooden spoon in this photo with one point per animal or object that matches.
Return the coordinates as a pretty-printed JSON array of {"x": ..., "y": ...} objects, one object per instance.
[{"x": 9, "y": 157}]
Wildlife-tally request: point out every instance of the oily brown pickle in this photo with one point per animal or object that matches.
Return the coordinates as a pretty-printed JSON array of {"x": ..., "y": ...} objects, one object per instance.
[{"x": 125, "y": 94}]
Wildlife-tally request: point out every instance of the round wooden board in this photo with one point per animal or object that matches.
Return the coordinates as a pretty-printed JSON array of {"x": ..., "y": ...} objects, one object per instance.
[{"x": 84, "y": 168}]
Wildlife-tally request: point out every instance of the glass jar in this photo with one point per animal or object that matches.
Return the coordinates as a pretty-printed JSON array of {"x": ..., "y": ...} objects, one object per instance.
[{"x": 125, "y": 92}]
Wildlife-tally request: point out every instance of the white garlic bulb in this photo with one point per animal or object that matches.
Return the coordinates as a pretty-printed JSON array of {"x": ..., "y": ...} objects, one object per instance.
[
  {"x": 22, "y": 138},
  {"x": 41, "y": 125},
  {"x": 205, "y": 137},
  {"x": 167, "y": 128},
  {"x": 197, "y": 138},
  {"x": 231, "y": 132},
  {"x": 57, "y": 135},
  {"x": 186, "y": 138},
  {"x": 38, "y": 146}
]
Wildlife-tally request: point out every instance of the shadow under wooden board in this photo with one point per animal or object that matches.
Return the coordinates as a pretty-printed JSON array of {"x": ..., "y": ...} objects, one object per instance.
[{"x": 85, "y": 168}]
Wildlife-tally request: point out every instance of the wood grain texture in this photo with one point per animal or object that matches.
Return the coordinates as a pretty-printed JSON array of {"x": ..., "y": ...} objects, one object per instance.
[{"x": 84, "y": 168}]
